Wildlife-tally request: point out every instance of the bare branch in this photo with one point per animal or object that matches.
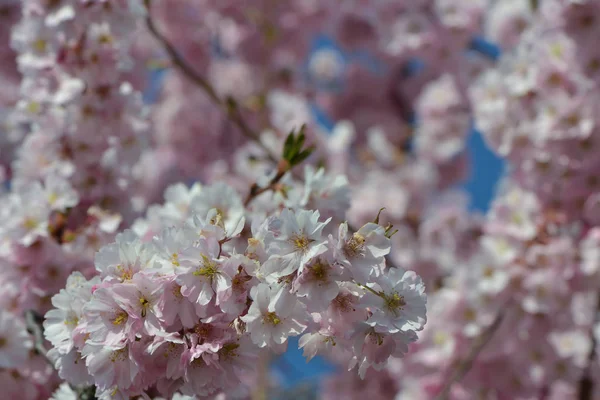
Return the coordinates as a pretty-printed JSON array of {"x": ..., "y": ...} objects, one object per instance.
[
  {"x": 465, "y": 365},
  {"x": 586, "y": 383},
  {"x": 228, "y": 105},
  {"x": 33, "y": 323}
]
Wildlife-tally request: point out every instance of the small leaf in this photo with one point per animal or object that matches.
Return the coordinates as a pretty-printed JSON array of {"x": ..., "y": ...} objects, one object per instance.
[
  {"x": 288, "y": 146},
  {"x": 303, "y": 155},
  {"x": 301, "y": 137}
]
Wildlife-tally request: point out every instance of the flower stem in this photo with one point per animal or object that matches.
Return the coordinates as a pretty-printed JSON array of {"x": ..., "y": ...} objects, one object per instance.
[
  {"x": 465, "y": 365},
  {"x": 586, "y": 383}
]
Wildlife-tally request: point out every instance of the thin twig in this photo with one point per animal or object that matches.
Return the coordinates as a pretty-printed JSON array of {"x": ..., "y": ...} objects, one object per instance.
[
  {"x": 365, "y": 287},
  {"x": 256, "y": 190},
  {"x": 465, "y": 365},
  {"x": 586, "y": 384},
  {"x": 35, "y": 329},
  {"x": 228, "y": 105}
]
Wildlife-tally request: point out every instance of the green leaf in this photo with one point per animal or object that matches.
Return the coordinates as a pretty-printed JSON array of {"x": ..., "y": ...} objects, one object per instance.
[
  {"x": 293, "y": 151},
  {"x": 303, "y": 155},
  {"x": 288, "y": 146},
  {"x": 301, "y": 137}
]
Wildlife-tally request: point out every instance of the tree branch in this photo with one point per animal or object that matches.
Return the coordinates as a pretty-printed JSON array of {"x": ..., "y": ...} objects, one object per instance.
[
  {"x": 586, "y": 383},
  {"x": 228, "y": 105},
  {"x": 256, "y": 190},
  {"x": 465, "y": 365},
  {"x": 33, "y": 323}
]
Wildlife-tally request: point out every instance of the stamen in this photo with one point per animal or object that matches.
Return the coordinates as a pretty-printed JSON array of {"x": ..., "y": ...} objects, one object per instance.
[
  {"x": 355, "y": 245},
  {"x": 272, "y": 319}
]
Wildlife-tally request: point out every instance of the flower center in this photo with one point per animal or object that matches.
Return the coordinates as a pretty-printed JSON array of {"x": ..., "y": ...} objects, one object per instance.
[
  {"x": 272, "y": 319},
  {"x": 238, "y": 283},
  {"x": 52, "y": 197},
  {"x": 301, "y": 242},
  {"x": 219, "y": 218},
  {"x": 229, "y": 350},
  {"x": 126, "y": 273},
  {"x": 198, "y": 363},
  {"x": 343, "y": 303},
  {"x": 204, "y": 331},
  {"x": 72, "y": 321},
  {"x": 376, "y": 338},
  {"x": 355, "y": 245},
  {"x": 320, "y": 271},
  {"x": 120, "y": 318},
  {"x": 208, "y": 268},
  {"x": 118, "y": 355},
  {"x": 394, "y": 302},
  {"x": 145, "y": 303},
  {"x": 30, "y": 223},
  {"x": 39, "y": 45},
  {"x": 177, "y": 292},
  {"x": 171, "y": 350},
  {"x": 440, "y": 338}
]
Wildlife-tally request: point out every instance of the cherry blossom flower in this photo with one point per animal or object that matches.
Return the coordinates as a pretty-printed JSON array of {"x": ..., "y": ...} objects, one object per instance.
[
  {"x": 400, "y": 302},
  {"x": 275, "y": 315},
  {"x": 363, "y": 252},
  {"x": 298, "y": 240}
]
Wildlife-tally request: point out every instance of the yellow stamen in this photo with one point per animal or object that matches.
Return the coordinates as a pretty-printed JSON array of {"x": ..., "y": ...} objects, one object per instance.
[
  {"x": 39, "y": 45},
  {"x": 272, "y": 319},
  {"x": 118, "y": 355},
  {"x": 355, "y": 245},
  {"x": 208, "y": 268},
  {"x": 120, "y": 318},
  {"x": 30, "y": 223},
  {"x": 394, "y": 303},
  {"x": 145, "y": 304},
  {"x": 320, "y": 271},
  {"x": 301, "y": 242}
]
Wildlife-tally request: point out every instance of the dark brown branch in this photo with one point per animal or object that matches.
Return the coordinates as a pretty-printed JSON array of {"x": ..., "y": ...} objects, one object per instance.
[
  {"x": 256, "y": 190},
  {"x": 228, "y": 105},
  {"x": 586, "y": 384},
  {"x": 33, "y": 323},
  {"x": 465, "y": 365}
]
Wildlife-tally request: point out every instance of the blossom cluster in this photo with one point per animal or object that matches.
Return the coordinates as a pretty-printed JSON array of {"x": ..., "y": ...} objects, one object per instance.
[
  {"x": 343, "y": 242},
  {"x": 517, "y": 314},
  {"x": 72, "y": 55},
  {"x": 72, "y": 133},
  {"x": 191, "y": 308}
]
